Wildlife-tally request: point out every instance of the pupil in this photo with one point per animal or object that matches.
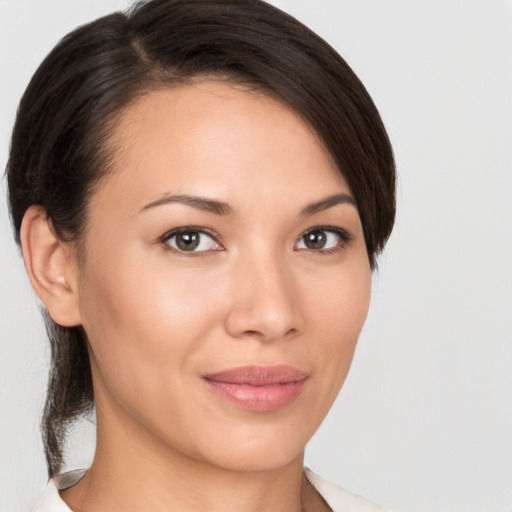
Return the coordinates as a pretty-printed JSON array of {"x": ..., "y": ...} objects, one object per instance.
[
  {"x": 187, "y": 241},
  {"x": 315, "y": 240}
]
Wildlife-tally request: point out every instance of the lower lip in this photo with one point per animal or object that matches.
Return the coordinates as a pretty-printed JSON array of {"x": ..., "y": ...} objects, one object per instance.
[{"x": 261, "y": 398}]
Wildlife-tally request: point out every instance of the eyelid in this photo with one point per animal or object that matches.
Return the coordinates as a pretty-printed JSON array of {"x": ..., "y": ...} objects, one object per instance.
[
  {"x": 344, "y": 235},
  {"x": 187, "y": 229}
]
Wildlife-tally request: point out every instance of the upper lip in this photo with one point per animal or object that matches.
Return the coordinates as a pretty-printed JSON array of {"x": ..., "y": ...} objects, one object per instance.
[{"x": 259, "y": 375}]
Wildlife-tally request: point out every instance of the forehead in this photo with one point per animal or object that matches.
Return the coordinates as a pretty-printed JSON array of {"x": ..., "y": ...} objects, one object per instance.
[{"x": 221, "y": 138}]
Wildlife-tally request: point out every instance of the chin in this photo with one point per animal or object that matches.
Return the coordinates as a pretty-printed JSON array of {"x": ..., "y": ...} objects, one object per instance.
[
  {"x": 263, "y": 449},
  {"x": 260, "y": 461}
]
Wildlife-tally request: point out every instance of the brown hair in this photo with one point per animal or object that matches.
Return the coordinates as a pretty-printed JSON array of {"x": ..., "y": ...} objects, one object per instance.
[{"x": 59, "y": 149}]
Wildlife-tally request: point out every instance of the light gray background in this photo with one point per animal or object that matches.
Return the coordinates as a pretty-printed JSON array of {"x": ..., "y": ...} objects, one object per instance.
[{"x": 424, "y": 422}]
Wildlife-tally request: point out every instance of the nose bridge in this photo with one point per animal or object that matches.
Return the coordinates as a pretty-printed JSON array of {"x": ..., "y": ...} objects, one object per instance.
[{"x": 264, "y": 299}]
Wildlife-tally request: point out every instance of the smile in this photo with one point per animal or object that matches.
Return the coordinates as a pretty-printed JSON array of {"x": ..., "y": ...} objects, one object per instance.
[{"x": 258, "y": 388}]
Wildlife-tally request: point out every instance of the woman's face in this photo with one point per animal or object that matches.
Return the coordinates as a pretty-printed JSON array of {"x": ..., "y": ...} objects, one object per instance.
[{"x": 225, "y": 282}]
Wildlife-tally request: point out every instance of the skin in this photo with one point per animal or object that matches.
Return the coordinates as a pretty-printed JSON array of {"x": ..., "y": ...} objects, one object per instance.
[{"x": 158, "y": 319}]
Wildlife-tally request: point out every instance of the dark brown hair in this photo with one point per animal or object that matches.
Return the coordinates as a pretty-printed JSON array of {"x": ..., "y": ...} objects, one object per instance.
[{"x": 60, "y": 143}]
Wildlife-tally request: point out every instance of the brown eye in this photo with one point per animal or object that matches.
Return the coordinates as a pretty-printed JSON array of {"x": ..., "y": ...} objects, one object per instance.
[
  {"x": 323, "y": 239},
  {"x": 191, "y": 241},
  {"x": 315, "y": 240},
  {"x": 187, "y": 241}
]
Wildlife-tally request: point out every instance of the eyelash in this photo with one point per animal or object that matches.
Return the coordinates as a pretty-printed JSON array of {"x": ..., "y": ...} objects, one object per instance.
[
  {"x": 345, "y": 239},
  {"x": 164, "y": 240}
]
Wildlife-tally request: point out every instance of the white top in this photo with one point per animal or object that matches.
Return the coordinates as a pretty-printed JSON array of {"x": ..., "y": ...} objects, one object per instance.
[{"x": 338, "y": 499}]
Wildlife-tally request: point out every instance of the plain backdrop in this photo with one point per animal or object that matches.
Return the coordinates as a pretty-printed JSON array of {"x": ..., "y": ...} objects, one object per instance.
[{"x": 424, "y": 422}]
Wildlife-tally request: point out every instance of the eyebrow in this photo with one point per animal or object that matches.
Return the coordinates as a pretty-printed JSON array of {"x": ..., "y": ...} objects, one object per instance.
[
  {"x": 200, "y": 203},
  {"x": 327, "y": 203},
  {"x": 220, "y": 208}
]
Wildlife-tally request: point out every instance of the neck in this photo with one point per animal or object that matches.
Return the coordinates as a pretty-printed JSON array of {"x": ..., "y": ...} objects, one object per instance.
[{"x": 144, "y": 475}]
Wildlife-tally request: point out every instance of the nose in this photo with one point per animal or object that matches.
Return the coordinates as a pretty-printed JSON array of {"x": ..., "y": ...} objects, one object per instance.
[{"x": 264, "y": 301}]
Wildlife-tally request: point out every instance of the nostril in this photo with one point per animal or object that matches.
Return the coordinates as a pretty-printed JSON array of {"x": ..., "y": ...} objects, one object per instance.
[
  {"x": 268, "y": 335},
  {"x": 252, "y": 333},
  {"x": 291, "y": 333},
  {"x": 264, "y": 313}
]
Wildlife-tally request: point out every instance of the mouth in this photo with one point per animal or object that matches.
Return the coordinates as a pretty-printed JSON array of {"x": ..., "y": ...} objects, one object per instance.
[{"x": 258, "y": 388}]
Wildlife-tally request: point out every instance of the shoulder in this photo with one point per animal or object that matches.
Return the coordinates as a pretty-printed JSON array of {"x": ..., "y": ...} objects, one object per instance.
[
  {"x": 339, "y": 499},
  {"x": 51, "y": 501}
]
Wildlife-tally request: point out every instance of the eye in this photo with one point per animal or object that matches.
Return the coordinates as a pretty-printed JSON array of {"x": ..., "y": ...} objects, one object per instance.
[
  {"x": 191, "y": 240},
  {"x": 323, "y": 239}
]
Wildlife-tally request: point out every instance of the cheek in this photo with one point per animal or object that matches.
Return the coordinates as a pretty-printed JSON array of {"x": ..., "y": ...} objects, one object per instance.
[
  {"x": 145, "y": 321},
  {"x": 339, "y": 298},
  {"x": 336, "y": 313}
]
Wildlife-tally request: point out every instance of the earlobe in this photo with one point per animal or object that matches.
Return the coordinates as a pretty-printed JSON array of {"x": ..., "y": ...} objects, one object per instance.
[{"x": 51, "y": 267}]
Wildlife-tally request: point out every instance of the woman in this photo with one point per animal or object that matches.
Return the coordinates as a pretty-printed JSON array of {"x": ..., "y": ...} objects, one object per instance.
[{"x": 200, "y": 191}]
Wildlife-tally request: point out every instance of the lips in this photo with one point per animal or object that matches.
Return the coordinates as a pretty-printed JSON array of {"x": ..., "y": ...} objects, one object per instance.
[{"x": 258, "y": 388}]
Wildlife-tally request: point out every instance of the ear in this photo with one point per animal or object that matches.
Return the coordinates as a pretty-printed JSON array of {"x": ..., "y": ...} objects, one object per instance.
[{"x": 51, "y": 267}]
